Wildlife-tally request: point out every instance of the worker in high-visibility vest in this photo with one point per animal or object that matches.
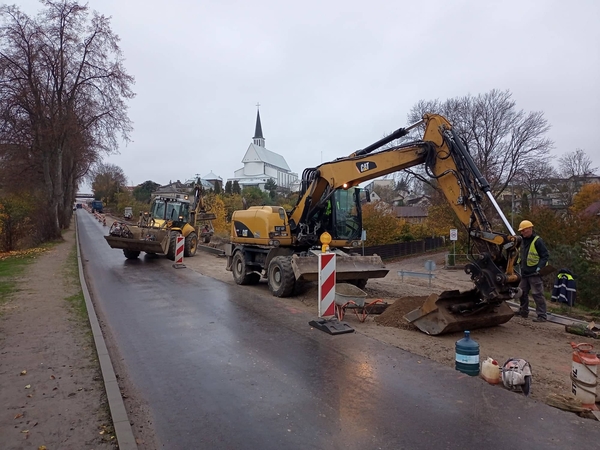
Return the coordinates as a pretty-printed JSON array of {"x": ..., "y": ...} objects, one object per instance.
[{"x": 534, "y": 257}]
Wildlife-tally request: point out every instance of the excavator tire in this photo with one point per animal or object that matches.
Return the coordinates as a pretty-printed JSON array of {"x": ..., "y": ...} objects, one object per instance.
[
  {"x": 191, "y": 245},
  {"x": 172, "y": 246},
  {"x": 130, "y": 254},
  {"x": 280, "y": 276},
  {"x": 239, "y": 270}
]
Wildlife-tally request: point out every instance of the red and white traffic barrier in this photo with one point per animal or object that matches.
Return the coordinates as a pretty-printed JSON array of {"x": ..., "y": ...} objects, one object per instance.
[
  {"x": 179, "y": 247},
  {"x": 326, "y": 285}
]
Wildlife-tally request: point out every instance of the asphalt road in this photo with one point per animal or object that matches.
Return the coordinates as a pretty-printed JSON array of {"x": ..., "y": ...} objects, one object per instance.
[{"x": 221, "y": 368}]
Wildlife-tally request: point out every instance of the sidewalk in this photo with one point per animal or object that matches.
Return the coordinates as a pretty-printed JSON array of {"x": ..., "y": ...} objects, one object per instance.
[{"x": 51, "y": 389}]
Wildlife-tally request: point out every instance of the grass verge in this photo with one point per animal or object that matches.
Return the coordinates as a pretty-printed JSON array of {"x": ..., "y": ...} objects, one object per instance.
[{"x": 12, "y": 265}]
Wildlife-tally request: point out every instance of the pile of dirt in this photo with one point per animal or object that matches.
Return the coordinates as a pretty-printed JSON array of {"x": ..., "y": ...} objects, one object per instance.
[{"x": 393, "y": 316}]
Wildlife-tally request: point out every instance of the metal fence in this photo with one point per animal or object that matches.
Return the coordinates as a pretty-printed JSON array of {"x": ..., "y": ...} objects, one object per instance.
[{"x": 389, "y": 251}]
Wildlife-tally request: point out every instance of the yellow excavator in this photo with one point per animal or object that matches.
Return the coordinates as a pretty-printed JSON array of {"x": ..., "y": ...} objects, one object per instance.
[
  {"x": 157, "y": 230},
  {"x": 269, "y": 242}
]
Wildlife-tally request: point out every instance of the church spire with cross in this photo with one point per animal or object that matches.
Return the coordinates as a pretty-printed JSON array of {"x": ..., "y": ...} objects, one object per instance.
[{"x": 258, "y": 138}]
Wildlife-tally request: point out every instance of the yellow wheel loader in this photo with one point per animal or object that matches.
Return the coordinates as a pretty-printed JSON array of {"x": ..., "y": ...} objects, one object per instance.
[
  {"x": 281, "y": 246},
  {"x": 157, "y": 230}
]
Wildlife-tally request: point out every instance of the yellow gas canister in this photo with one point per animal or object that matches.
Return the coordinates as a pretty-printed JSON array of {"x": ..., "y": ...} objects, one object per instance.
[{"x": 490, "y": 371}]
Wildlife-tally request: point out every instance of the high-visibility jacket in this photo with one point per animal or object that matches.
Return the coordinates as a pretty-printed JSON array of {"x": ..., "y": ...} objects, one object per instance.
[
  {"x": 535, "y": 255},
  {"x": 533, "y": 258},
  {"x": 565, "y": 288}
]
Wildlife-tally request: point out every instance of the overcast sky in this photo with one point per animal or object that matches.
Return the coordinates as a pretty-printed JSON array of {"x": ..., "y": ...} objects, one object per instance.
[{"x": 334, "y": 76}]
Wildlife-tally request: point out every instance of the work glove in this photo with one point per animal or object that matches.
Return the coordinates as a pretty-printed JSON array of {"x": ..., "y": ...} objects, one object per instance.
[{"x": 537, "y": 271}]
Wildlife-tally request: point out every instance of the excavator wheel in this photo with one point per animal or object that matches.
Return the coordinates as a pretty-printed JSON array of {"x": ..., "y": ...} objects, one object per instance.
[
  {"x": 239, "y": 268},
  {"x": 130, "y": 254},
  {"x": 280, "y": 276},
  {"x": 172, "y": 246},
  {"x": 191, "y": 245}
]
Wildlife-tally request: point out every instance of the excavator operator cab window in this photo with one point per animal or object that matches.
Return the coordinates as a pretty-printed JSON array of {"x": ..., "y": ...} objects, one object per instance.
[{"x": 347, "y": 214}]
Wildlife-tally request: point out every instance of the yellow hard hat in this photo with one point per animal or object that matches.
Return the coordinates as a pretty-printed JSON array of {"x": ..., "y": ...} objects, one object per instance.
[{"x": 525, "y": 224}]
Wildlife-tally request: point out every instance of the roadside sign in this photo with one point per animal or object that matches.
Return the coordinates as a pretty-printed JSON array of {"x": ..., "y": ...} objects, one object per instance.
[
  {"x": 430, "y": 265},
  {"x": 453, "y": 234},
  {"x": 363, "y": 236}
]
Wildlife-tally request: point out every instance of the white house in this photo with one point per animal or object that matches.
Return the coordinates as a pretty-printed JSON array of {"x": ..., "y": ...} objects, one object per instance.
[{"x": 261, "y": 164}]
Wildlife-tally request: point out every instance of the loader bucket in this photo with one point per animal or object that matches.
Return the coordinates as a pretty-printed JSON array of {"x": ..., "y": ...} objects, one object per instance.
[
  {"x": 306, "y": 268},
  {"x": 453, "y": 311},
  {"x": 136, "y": 245}
]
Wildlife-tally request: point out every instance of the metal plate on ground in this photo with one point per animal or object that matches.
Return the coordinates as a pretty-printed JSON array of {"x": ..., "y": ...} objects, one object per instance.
[{"x": 331, "y": 326}]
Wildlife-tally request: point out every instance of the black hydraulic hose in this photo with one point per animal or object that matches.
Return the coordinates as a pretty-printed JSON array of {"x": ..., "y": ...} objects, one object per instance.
[
  {"x": 466, "y": 156},
  {"x": 400, "y": 132}
]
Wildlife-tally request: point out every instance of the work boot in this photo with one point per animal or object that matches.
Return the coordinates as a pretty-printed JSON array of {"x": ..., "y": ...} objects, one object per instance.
[
  {"x": 521, "y": 314},
  {"x": 540, "y": 319}
]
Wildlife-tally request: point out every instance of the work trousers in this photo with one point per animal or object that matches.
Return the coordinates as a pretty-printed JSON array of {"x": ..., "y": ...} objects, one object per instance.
[{"x": 534, "y": 285}]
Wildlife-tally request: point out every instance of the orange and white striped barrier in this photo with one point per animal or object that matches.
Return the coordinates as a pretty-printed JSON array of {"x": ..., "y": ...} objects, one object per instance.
[
  {"x": 326, "y": 285},
  {"x": 179, "y": 247}
]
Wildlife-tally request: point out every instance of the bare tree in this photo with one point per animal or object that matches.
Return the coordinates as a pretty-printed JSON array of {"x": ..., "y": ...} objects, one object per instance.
[
  {"x": 501, "y": 138},
  {"x": 63, "y": 89},
  {"x": 575, "y": 167},
  {"x": 535, "y": 175},
  {"x": 576, "y": 164}
]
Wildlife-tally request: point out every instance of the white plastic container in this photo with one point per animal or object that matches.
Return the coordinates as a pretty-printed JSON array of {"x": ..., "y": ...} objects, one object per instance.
[
  {"x": 584, "y": 374},
  {"x": 490, "y": 371}
]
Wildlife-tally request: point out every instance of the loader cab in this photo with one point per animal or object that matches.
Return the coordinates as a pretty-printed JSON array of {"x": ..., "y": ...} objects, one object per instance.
[
  {"x": 346, "y": 215},
  {"x": 174, "y": 209}
]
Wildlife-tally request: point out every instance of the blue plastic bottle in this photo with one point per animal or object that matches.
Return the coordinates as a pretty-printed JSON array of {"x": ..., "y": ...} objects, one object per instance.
[{"x": 467, "y": 355}]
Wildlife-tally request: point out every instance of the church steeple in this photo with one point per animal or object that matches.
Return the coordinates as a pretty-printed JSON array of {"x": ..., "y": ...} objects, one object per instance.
[{"x": 258, "y": 138}]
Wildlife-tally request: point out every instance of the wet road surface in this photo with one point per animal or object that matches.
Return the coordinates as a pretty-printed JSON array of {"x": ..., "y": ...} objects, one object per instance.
[{"x": 221, "y": 368}]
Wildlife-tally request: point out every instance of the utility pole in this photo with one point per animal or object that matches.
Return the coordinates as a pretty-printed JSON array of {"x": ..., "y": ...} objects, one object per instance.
[{"x": 512, "y": 206}]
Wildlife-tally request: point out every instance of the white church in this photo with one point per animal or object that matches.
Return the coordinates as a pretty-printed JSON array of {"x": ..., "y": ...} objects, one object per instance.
[{"x": 261, "y": 164}]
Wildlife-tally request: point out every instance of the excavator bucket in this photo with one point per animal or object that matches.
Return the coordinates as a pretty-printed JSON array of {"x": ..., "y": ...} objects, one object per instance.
[
  {"x": 347, "y": 268},
  {"x": 453, "y": 311}
]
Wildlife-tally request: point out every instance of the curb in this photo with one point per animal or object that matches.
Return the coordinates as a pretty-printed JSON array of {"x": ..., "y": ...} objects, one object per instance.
[{"x": 123, "y": 430}]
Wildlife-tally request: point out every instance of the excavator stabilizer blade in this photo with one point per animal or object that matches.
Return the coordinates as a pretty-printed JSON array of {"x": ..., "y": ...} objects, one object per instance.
[
  {"x": 306, "y": 268},
  {"x": 458, "y": 311}
]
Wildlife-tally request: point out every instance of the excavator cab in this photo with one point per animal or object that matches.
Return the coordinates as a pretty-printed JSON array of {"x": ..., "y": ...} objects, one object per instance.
[{"x": 342, "y": 216}]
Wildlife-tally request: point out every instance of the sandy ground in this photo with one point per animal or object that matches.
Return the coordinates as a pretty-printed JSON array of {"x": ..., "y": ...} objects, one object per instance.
[{"x": 546, "y": 346}]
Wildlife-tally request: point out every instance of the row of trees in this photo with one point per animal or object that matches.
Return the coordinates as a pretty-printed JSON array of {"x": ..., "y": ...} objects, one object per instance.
[{"x": 63, "y": 93}]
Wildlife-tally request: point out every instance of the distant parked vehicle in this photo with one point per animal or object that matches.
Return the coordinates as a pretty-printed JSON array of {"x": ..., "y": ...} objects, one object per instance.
[
  {"x": 97, "y": 206},
  {"x": 128, "y": 214}
]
